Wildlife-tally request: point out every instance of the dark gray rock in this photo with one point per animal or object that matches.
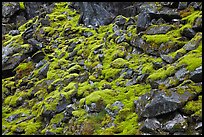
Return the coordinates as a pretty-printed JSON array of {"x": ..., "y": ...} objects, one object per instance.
[
  {"x": 121, "y": 39},
  {"x": 47, "y": 132},
  {"x": 160, "y": 21},
  {"x": 188, "y": 32},
  {"x": 167, "y": 59},
  {"x": 71, "y": 47},
  {"x": 177, "y": 124},
  {"x": 36, "y": 8},
  {"x": 143, "y": 21},
  {"x": 197, "y": 26},
  {"x": 62, "y": 104},
  {"x": 151, "y": 126},
  {"x": 94, "y": 14},
  {"x": 43, "y": 71},
  {"x": 14, "y": 32},
  {"x": 182, "y": 5},
  {"x": 9, "y": 8},
  {"x": 196, "y": 76},
  {"x": 157, "y": 65},
  {"x": 168, "y": 14},
  {"x": 38, "y": 56},
  {"x": 181, "y": 74},
  {"x": 113, "y": 112},
  {"x": 83, "y": 77},
  {"x": 28, "y": 33},
  {"x": 142, "y": 78},
  {"x": 193, "y": 43},
  {"x": 13, "y": 117},
  {"x": 120, "y": 20},
  {"x": 137, "y": 42},
  {"x": 129, "y": 74},
  {"x": 159, "y": 29},
  {"x": 158, "y": 103},
  {"x": 170, "y": 4},
  {"x": 68, "y": 113}
]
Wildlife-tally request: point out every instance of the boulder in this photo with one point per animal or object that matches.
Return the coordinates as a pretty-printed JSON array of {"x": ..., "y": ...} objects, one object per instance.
[{"x": 196, "y": 76}]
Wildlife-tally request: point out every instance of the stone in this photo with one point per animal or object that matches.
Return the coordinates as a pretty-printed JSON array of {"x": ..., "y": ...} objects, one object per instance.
[
  {"x": 151, "y": 126},
  {"x": 158, "y": 103},
  {"x": 14, "y": 32},
  {"x": 120, "y": 20},
  {"x": 94, "y": 14},
  {"x": 196, "y": 76},
  {"x": 142, "y": 78},
  {"x": 9, "y": 8},
  {"x": 62, "y": 104},
  {"x": 38, "y": 56},
  {"x": 188, "y": 32},
  {"x": 143, "y": 21},
  {"x": 43, "y": 71},
  {"x": 13, "y": 117},
  {"x": 167, "y": 59},
  {"x": 197, "y": 26},
  {"x": 193, "y": 43},
  {"x": 181, "y": 74},
  {"x": 182, "y": 5},
  {"x": 158, "y": 29},
  {"x": 113, "y": 112},
  {"x": 177, "y": 124},
  {"x": 128, "y": 74},
  {"x": 157, "y": 65}
]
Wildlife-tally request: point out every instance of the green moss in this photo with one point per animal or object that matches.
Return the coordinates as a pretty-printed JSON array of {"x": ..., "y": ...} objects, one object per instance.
[
  {"x": 129, "y": 125},
  {"x": 191, "y": 18},
  {"x": 147, "y": 68},
  {"x": 22, "y": 5},
  {"x": 57, "y": 118},
  {"x": 194, "y": 107},
  {"x": 162, "y": 73},
  {"x": 106, "y": 95},
  {"x": 119, "y": 63},
  {"x": 110, "y": 73},
  {"x": 192, "y": 59},
  {"x": 79, "y": 113},
  {"x": 84, "y": 89}
]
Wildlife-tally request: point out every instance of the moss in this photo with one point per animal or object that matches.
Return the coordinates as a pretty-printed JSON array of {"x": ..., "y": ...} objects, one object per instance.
[
  {"x": 110, "y": 73},
  {"x": 79, "y": 113},
  {"x": 119, "y": 63},
  {"x": 194, "y": 107},
  {"x": 191, "y": 60},
  {"x": 84, "y": 89},
  {"x": 74, "y": 68},
  {"x": 22, "y": 5},
  {"x": 162, "y": 73},
  {"x": 191, "y": 18},
  {"x": 147, "y": 68},
  {"x": 57, "y": 118},
  {"x": 106, "y": 95}
]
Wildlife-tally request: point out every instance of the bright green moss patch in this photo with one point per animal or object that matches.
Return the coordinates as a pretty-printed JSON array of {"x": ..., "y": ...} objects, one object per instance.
[
  {"x": 106, "y": 95},
  {"x": 191, "y": 60},
  {"x": 110, "y": 73},
  {"x": 191, "y": 18},
  {"x": 22, "y": 5},
  {"x": 162, "y": 73},
  {"x": 79, "y": 113},
  {"x": 119, "y": 63},
  {"x": 194, "y": 107}
]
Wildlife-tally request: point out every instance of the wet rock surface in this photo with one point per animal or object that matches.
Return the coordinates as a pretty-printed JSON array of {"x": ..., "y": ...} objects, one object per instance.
[{"x": 83, "y": 68}]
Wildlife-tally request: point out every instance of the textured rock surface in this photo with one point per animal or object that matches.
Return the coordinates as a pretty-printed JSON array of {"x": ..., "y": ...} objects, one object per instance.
[{"x": 113, "y": 68}]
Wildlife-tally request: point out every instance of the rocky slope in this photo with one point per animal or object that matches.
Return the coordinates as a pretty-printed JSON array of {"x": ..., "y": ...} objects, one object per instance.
[{"x": 69, "y": 70}]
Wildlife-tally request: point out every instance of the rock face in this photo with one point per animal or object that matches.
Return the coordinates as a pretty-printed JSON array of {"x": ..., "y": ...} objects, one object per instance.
[{"x": 83, "y": 68}]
